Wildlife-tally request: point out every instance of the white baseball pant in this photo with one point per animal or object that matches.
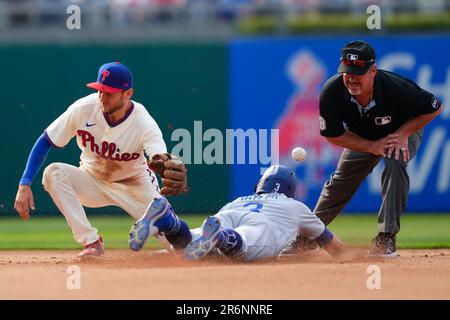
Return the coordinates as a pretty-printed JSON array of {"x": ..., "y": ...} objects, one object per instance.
[{"x": 71, "y": 188}]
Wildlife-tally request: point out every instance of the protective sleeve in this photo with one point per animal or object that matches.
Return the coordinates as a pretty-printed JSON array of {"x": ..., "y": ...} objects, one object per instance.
[
  {"x": 325, "y": 238},
  {"x": 36, "y": 158}
]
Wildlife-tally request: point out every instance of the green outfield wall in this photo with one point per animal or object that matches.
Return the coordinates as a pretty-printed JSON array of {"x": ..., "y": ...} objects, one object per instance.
[{"x": 178, "y": 83}]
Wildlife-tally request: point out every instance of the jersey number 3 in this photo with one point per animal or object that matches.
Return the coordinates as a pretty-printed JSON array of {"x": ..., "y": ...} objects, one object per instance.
[{"x": 258, "y": 206}]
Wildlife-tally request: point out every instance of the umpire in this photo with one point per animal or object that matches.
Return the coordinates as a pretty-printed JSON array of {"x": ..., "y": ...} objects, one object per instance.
[{"x": 372, "y": 114}]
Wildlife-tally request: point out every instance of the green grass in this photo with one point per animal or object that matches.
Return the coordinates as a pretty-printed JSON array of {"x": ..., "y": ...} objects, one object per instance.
[
  {"x": 53, "y": 232},
  {"x": 313, "y": 22},
  {"x": 417, "y": 231}
]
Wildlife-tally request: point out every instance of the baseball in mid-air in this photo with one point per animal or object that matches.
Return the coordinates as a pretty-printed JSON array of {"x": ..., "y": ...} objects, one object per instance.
[{"x": 298, "y": 154}]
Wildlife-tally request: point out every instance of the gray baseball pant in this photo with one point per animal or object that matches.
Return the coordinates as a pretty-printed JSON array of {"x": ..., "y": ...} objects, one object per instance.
[{"x": 352, "y": 169}]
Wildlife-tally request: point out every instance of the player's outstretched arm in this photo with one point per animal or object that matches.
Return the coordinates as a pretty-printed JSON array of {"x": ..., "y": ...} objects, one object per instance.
[
  {"x": 24, "y": 198},
  {"x": 331, "y": 243},
  {"x": 354, "y": 142},
  {"x": 335, "y": 247},
  {"x": 24, "y": 201}
]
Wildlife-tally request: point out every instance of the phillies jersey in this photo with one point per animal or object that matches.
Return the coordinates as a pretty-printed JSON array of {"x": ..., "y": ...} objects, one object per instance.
[
  {"x": 288, "y": 217},
  {"x": 109, "y": 151}
]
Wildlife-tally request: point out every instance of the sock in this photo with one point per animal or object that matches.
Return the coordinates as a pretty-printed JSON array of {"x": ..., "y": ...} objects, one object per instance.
[
  {"x": 182, "y": 237},
  {"x": 176, "y": 230},
  {"x": 169, "y": 223},
  {"x": 229, "y": 242}
]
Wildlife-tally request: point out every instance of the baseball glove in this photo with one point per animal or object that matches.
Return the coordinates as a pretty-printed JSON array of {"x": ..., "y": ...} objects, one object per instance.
[{"x": 172, "y": 172}]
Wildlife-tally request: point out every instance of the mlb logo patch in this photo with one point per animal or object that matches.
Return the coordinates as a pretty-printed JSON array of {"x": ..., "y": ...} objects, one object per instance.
[
  {"x": 352, "y": 56},
  {"x": 381, "y": 121},
  {"x": 435, "y": 103}
]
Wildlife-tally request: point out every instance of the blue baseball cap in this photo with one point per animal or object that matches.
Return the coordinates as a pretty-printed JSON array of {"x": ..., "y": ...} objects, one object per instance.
[
  {"x": 277, "y": 178},
  {"x": 112, "y": 77}
]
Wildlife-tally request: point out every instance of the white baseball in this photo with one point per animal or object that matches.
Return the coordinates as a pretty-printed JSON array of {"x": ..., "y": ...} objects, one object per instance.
[{"x": 298, "y": 154}]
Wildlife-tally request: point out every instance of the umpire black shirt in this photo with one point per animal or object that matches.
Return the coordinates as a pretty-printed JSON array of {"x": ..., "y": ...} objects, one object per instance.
[{"x": 395, "y": 101}]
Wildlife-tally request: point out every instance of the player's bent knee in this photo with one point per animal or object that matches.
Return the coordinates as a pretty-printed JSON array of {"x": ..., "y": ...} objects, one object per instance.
[
  {"x": 52, "y": 174},
  {"x": 392, "y": 164}
]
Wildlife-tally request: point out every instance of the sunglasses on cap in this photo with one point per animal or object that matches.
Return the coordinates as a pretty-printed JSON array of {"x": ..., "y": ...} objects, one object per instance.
[{"x": 357, "y": 63}]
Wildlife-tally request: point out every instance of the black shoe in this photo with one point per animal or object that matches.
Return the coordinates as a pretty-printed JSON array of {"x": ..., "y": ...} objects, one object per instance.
[{"x": 383, "y": 246}]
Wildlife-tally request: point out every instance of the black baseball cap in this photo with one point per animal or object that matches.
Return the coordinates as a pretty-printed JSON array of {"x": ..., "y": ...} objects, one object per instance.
[{"x": 356, "y": 58}]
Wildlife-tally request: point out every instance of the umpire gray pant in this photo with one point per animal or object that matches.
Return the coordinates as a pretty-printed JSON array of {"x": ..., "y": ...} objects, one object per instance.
[{"x": 352, "y": 169}]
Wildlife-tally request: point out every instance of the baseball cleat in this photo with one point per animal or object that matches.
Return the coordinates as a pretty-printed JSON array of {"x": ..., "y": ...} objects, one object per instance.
[
  {"x": 95, "y": 249},
  {"x": 383, "y": 246},
  {"x": 201, "y": 246},
  {"x": 145, "y": 227}
]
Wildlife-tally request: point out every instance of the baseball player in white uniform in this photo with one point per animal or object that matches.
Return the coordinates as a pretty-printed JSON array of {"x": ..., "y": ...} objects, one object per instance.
[
  {"x": 116, "y": 136},
  {"x": 258, "y": 226}
]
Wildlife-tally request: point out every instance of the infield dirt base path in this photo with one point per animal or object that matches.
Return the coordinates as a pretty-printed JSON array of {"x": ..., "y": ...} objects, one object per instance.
[{"x": 123, "y": 274}]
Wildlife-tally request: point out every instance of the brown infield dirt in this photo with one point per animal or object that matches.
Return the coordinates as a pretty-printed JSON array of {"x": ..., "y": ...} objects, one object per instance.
[{"x": 123, "y": 274}]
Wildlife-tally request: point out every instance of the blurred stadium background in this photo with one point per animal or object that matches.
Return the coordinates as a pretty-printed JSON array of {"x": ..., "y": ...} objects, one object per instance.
[
  {"x": 250, "y": 64},
  {"x": 143, "y": 20}
]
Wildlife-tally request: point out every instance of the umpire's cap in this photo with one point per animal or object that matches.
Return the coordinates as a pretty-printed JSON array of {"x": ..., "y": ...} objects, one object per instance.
[
  {"x": 112, "y": 77},
  {"x": 277, "y": 178},
  {"x": 356, "y": 58}
]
